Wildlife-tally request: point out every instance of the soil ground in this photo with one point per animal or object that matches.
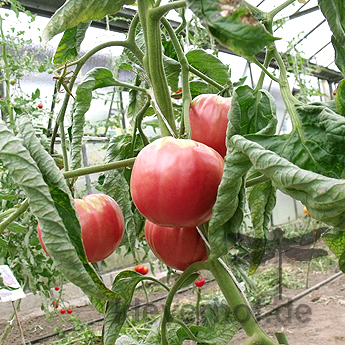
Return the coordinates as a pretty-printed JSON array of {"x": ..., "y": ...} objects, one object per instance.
[{"x": 316, "y": 319}]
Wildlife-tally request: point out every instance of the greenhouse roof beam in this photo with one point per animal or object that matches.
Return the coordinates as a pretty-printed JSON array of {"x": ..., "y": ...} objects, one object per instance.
[{"x": 299, "y": 13}]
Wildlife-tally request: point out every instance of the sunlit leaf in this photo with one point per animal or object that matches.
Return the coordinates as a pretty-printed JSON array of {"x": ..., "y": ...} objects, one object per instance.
[
  {"x": 69, "y": 46},
  {"x": 316, "y": 144},
  {"x": 210, "y": 65},
  {"x": 98, "y": 77},
  {"x": 334, "y": 11},
  {"x": 232, "y": 24},
  {"x": 73, "y": 12},
  {"x": 27, "y": 176}
]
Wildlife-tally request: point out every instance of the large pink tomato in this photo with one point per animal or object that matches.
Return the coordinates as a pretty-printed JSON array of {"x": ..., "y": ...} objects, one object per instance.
[
  {"x": 174, "y": 182},
  {"x": 102, "y": 226},
  {"x": 208, "y": 116},
  {"x": 176, "y": 247}
]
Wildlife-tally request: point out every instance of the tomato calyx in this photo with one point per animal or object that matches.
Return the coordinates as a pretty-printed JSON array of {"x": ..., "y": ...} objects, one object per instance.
[
  {"x": 141, "y": 269},
  {"x": 200, "y": 282}
]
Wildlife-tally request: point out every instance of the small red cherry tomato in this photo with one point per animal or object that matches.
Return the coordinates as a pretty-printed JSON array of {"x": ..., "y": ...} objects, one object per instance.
[
  {"x": 62, "y": 311},
  {"x": 69, "y": 311},
  {"x": 200, "y": 282},
  {"x": 57, "y": 288},
  {"x": 40, "y": 106},
  {"x": 55, "y": 304},
  {"x": 141, "y": 269}
]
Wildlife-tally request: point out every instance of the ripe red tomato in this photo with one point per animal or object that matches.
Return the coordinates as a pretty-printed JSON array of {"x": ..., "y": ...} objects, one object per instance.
[
  {"x": 57, "y": 288},
  {"x": 141, "y": 269},
  {"x": 176, "y": 247},
  {"x": 69, "y": 311},
  {"x": 208, "y": 116},
  {"x": 102, "y": 226},
  {"x": 62, "y": 311},
  {"x": 200, "y": 282},
  {"x": 55, "y": 304},
  {"x": 40, "y": 106},
  {"x": 174, "y": 182}
]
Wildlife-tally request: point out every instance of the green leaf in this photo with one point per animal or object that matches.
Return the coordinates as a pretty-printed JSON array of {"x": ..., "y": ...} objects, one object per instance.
[
  {"x": 323, "y": 196},
  {"x": 172, "y": 70},
  {"x": 252, "y": 112},
  {"x": 334, "y": 12},
  {"x": 16, "y": 227},
  {"x": 69, "y": 46},
  {"x": 64, "y": 205},
  {"x": 339, "y": 96},
  {"x": 199, "y": 87},
  {"x": 209, "y": 65},
  {"x": 227, "y": 212},
  {"x": 339, "y": 54},
  {"x": 73, "y": 12},
  {"x": 117, "y": 187},
  {"x": 316, "y": 144},
  {"x": 96, "y": 78},
  {"x": 232, "y": 24},
  {"x": 154, "y": 336},
  {"x": 261, "y": 201},
  {"x": 36, "y": 94},
  {"x": 116, "y": 312},
  {"x": 27, "y": 176}
]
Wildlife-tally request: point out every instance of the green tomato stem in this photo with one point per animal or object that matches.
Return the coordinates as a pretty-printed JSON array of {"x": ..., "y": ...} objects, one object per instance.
[
  {"x": 9, "y": 107},
  {"x": 155, "y": 68},
  {"x": 197, "y": 306},
  {"x": 14, "y": 215},
  {"x": 137, "y": 126},
  {"x": 167, "y": 317},
  {"x": 206, "y": 78},
  {"x": 186, "y": 96},
  {"x": 266, "y": 71},
  {"x": 238, "y": 304},
  {"x": 99, "y": 168},
  {"x": 279, "y": 8}
]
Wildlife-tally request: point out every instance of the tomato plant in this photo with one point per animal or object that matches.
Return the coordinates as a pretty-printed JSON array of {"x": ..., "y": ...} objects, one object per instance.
[
  {"x": 174, "y": 182},
  {"x": 210, "y": 111},
  {"x": 102, "y": 226},
  {"x": 177, "y": 247},
  {"x": 141, "y": 269}
]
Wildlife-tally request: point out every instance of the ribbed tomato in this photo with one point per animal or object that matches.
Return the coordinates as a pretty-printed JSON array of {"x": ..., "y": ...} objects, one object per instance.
[
  {"x": 174, "y": 182},
  {"x": 208, "y": 116},
  {"x": 176, "y": 247},
  {"x": 102, "y": 226}
]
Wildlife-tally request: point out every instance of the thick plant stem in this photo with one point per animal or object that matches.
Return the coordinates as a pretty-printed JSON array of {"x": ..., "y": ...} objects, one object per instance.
[
  {"x": 14, "y": 215},
  {"x": 186, "y": 95},
  {"x": 9, "y": 107},
  {"x": 239, "y": 305},
  {"x": 167, "y": 317},
  {"x": 153, "y": 63},
  {"x": 99, "y": 168}
]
